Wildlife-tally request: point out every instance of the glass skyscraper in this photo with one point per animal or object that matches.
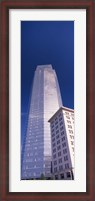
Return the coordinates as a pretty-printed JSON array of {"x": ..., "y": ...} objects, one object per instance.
[{"x": 45, "y": 101}]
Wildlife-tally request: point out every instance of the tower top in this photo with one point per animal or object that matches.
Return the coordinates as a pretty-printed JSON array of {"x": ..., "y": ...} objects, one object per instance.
[{"x": 44, "y": 66}]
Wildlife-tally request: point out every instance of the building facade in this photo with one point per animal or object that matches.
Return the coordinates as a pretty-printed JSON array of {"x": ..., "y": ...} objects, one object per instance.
[
  {"x": 45, "y": 101},
  {"x": 62, "y": 140}
]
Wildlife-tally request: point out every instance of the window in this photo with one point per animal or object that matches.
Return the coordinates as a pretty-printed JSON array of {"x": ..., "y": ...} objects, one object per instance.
[
  {"x": 70, "y": 131},
  {"x": 57, "y": 136},
  {"x": 62, "y": 176},
  {"x": 54, "y": 156},
  {"x": 52, "y": 126},
  {"x": 67, "y": 165},
  {"x": 69, "y": 126},
  {"x": 56, "y": 122},
  {"x": 29, "y": 160},
  {"x": 69, "y": 122},
  {"x": 63, "y": 138},
  {"x": 61, "y": 123},
  {"x": 53, "y": 139},
  {"x": 60, "y": 160},
  {"x": 64, "y": 151},
  {"x": 58, "y": 147},
  {"x": 58, "y": 141},
  {"x": 65, "y": 158},
  {"x": 55, "y": 162},
  {"x": 57, "y": 131},
  {"x": 60, "y": 118},
  {"x": 67, "y": 117},
  {"x": 56, "y": 127},
  {"x": 72, "y": 142},
  {"x": 61, "y": 128},
  {"x": 62, "y": 133},
  {"x": 73, "y": 149},
  {"x": 68, "y": 175},
  {"x": 54, "y": 150},
  {"x": 55, "y": 169},
  {"x": 64, "y": 144},
  {"x": 53, "y": 135},
  {"x": 52, "y": 122},
  {"x": 60, "y": 167},
  {"x": 71, "y": 136},
  {"x": 60, "y": 115},
  {"x": 59, "y": 153},
  {"x": 56, "y": 176},
  {"x": 27, "y": 145},
  {"x": 55, "y": 118},
  {"x": 53, "y": 144},
  {"x": 66, "y": 112}
]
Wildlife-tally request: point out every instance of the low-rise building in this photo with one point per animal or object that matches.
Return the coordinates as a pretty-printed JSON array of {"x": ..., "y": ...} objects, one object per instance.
[{"x": 62, "y": 141}]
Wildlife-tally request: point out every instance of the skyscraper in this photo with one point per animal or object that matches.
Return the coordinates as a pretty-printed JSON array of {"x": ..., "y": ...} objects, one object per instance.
[{"x": 45, "y": 101}]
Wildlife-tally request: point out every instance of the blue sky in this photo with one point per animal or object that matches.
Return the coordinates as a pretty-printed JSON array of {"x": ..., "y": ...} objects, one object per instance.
[{"x": 46, "y": 42}]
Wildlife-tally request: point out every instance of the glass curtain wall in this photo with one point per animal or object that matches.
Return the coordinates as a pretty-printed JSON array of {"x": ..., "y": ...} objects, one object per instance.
[{"x": 45, "y": 101}]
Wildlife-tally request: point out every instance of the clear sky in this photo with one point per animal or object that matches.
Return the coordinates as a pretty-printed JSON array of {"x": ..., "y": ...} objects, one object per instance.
[{"x": 46, "y": 42}]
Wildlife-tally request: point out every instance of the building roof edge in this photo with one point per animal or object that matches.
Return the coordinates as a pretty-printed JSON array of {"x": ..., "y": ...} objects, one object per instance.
[{"x": 61, "y": 108}]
